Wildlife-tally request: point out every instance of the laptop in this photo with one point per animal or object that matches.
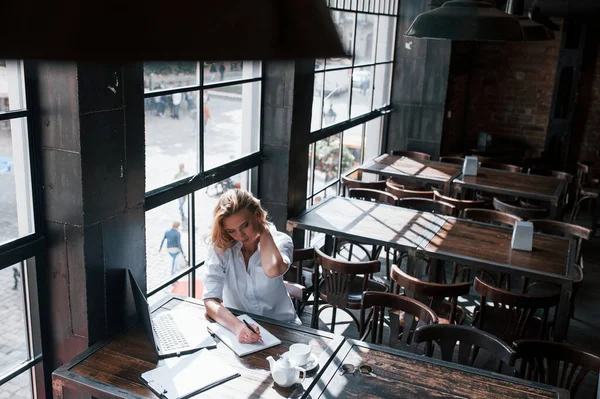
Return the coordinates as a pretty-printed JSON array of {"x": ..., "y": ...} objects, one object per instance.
[{"x": 175, "y": 331}]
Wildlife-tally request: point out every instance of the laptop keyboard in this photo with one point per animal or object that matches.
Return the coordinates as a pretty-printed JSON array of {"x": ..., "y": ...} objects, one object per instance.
[{"x": 168, "y": 333}]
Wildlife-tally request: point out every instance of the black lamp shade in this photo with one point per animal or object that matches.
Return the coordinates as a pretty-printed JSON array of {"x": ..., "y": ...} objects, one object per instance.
[{"x": 470, "y": 20}]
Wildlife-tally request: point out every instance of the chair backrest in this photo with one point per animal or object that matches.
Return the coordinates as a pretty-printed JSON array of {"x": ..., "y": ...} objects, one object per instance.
[
  {"x": 427, "y": 205},
  {"x": 401, "y": 192},
  {"x": 338, "y": 276},
  {"x": 415, "y": 313},
  {"x": 557, "y": 364},
  {"x": 368, "y": 194},
  {"x": 501, "y": 166},
  {"x": 469, "y": 340},
  {"x": 523, "y": 212},
  {"x": 432, "y": 294},
  {"x": 582, "y": 176},
  {"x": 563, "y": 229},
  {"x": 421, "y": 156},
  {"x": 518, "y": 310},
  {"x": 458, "y": 204},
  {"x": 348, "y": 182},
  {"x": 454, "y": 160},
  {"x": 490, "y": 216},
  {"x": 303, "y": 260}
]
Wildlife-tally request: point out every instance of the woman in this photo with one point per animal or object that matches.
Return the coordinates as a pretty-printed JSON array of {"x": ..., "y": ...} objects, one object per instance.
[
  {"x": 173, "y": 237},
  {"x": 244, "y": 269}
]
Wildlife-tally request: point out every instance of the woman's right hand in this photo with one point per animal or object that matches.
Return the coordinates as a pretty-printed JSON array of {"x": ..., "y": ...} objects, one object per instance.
[{"x": 245, "y": 336}]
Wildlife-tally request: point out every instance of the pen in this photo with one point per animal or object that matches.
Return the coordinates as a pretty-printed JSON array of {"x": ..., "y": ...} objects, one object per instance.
[{"x": 251, "y": 329}]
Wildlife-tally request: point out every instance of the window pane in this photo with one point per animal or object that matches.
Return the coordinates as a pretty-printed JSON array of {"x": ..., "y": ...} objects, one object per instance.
[
  {"x": 327, "y": 153},
  {"x": 19, "y": 387},
  {"x": 171, "y": 138},
  {"x": 362, "y": 91},
  {"x": 319, "y": 64},
  {"x": 166, "y": 236},
  {"x": 317, "y": 105},
  {"x": 366, "y": 35},
  {"x": 310, "y": 169},
  {"x": 385, "y": 38},
  {"x": 170, "y": 74},
  {"x": 373, "y": 138},
  {"x": 206, "y": 200},
  {"x": 383, "y": 85},
  {"x": 327, "y": 193},
  {"x": 344, "y": 22},
  {"x": 222, "y": 71},
  {"x": 337, "y": 97},
  {"x": 13, "y": 329},
  {"x": 12, "y": 85},
  {"x": 233, "y": 124},
  {"x": 352, "y": 148},
  {"x": 180, "y": 287},
  {"x": 16, "y": 212}
]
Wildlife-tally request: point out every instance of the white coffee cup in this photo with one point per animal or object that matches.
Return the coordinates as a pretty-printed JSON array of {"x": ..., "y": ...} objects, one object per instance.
[{"x": 300, "y": 353}]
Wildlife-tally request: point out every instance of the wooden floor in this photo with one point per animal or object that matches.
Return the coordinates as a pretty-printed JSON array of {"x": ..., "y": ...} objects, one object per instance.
[{"x": 584, "y": 329}]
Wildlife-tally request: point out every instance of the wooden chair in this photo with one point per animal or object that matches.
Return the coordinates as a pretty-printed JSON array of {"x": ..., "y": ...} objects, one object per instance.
[
  {"x": 469, "y": 340},
  {"x": 453, "y": 160},
  {"x": 586, "y": 189},
  {"x": 490, "y": 216},
  {"x": 421, "y": 156},
  {"x": 433, "y": 295},
  {"x": 501, "y": 166},
  {"x": 557, "y": 364},
  {"x": 427, "y": 205},
  {"x": 458, "y": 204},
  {"x": 512, "y": 315},
  {"x": 295, "y": 284},
  {"x": 342, "y": 285},
  {"x": 401, "y": 337},
  {"x": 401, "y": 192},
  {"x": 568, "y": 230},
  {"x": 516, "y": 208},
  {"x": 348, "y": 182},
  {"x": 368, "y": 194}
]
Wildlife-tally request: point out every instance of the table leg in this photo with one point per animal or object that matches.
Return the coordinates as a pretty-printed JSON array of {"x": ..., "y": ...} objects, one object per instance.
[
  {"x": 555, "y": 211},
  {"x": 314, "y": 321},
  {"x": 564, "y": 308},
  {"x": 411, "y": 261}
]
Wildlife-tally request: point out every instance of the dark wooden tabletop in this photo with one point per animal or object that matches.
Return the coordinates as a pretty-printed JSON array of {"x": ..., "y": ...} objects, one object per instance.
[
  {"x": 402, "y": 375},
  {"x": 371, "y": 223},
  {"x": 395, "y": 166},
  {"x": 487, "y": 246},
  {"x": 112, "y": 369},
  {"x": 512, "y": 183}
]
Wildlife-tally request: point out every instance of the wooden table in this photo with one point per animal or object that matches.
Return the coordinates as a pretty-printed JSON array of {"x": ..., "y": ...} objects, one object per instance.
[
  {"x": 488, "y": 247},
  {"x": 412, "y": 170},
  {"x": 111, "y": 369},
  {"x": 443, "y": 237},
  {"x": 400, "y": 374},
  {"x": 543, "y": 188}
]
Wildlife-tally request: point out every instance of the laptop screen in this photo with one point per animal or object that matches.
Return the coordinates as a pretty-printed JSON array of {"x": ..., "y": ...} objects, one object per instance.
[{"x": 141, "y": 307}]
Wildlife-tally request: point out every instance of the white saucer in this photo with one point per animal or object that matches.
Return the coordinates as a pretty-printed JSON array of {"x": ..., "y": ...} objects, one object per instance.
[{"x": 312, "y": 363}]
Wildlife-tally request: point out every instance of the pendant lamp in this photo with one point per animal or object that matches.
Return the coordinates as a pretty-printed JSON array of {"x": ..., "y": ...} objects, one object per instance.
[{"x": 470, "y": 20}]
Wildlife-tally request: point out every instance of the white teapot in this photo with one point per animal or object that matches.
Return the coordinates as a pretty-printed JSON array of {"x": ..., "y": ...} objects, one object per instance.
[{"x": 285, "y": 373}]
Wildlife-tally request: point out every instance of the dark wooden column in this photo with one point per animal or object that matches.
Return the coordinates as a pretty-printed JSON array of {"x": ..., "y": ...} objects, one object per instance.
[
  {"x": 283, "y": 174},
  {"x": 419, "y": 85},
  {"x": 91, "y": 123}
]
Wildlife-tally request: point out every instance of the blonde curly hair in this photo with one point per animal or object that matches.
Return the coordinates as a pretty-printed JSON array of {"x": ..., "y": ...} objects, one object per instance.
[{"x": 232, "y": 202}]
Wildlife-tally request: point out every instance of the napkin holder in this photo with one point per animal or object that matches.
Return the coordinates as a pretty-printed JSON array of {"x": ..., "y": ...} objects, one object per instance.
[
  {"x": 522, "y": 238},
  {"x": 470, "y": 166}
]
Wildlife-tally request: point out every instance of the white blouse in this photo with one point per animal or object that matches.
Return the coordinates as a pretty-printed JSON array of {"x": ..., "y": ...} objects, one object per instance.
[{"x": 226, "y": 278}]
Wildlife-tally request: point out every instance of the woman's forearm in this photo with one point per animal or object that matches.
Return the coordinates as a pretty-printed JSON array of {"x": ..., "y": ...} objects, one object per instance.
[
  {"x": 219, "y": 313},
  {"x": 270, "y": 257}
]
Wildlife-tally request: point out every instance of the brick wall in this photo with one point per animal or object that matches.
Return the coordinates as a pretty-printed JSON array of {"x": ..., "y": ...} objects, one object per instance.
[
  {"x": 590, "y": 142},
  {"x": 510, "y": 91}
]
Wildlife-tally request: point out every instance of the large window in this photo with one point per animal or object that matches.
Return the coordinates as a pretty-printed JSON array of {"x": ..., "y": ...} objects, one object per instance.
[
  {"x": 21, "y": 373},
  {"x": 351, "y": 96},
  {"x": 202, "y": 138}
]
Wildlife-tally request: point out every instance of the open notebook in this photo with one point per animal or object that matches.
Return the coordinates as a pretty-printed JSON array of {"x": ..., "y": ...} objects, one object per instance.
[
  {"x": 189, "y": 375},
  {"x": 229, "y": 338}
]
